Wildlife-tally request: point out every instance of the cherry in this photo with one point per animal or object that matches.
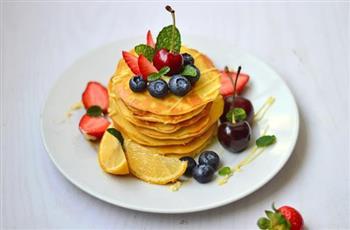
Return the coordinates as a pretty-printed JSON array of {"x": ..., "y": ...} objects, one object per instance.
[
  {"x": 238, "y": 102},
  {"x": 164, "y": 57},
  {"x": 234, "y": 137}
]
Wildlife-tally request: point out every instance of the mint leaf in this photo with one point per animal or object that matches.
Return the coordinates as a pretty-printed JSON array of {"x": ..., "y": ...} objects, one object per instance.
[
  {"x": 265, "y": 141},
  {"x": 161, "y": 72},
  {"x": 145, "y": 50},
  {"x": 239, "y": 114},
  {"x": 94, "y": 111},
  {"x": 117, "y": 134},
  {"x": 225, "y": 171},
  {"x": 189, "y": 71},
  {"x": 164, "y": 39}
]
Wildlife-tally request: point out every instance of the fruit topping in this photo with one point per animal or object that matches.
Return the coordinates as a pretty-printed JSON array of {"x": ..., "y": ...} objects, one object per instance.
[
  {"x": 146, "y": 67},
  {"x": 93, "y": 127},
  {"x": 168, "y": 46},
  {"x": 284, "y": 218},
  {"x": 192, "y": 73},
  {"x": 137, "y": 84},
  {"x": 158, "y": 88},
  {"x": 95, "y": 94},
  {"x": 132, "y": 61},
  {"x": 238, "y": 102},
  {"x": 145, "y": 50},
  {"x": 188, "y": 59},
  {"x": 203, "y": 173},
  {"x": 191, "y": 163},
  {"x": 150, "y": 41},
  {"x": 226, "y": 86},
  {"x": 209, "y": 158},
  {"x": 179, "y": 85}
]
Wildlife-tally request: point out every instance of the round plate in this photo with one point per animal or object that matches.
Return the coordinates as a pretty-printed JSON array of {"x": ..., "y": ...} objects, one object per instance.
[{"x": 76, "y": 158}]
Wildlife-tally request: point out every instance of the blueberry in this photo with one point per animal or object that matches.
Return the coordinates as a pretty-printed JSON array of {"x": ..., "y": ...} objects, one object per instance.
[
  {"x": 209, "y": 158},
  {"x": 191, "y": 163},
  {"x": 137, "y": 84},
  {"x": 188, "y": 59},
  {"x": 194, "y": 79},
  {"x": 158, "y": 88},
  {"x": 203, "y": 173},
  {"x": 179, "y": 85}
]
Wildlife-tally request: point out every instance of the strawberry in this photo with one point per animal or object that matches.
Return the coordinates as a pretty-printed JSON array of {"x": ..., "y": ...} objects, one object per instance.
[
  {"x": 226, "y": 84},
  {"x": 146, "y": 67},
  {"x": 284, "y": 218},
  {"x": 93, "y": 127},
  {"x": 131, "y": 61},
  {"x": 150, "y": 41},
  {"x": 95, "y": 94}
]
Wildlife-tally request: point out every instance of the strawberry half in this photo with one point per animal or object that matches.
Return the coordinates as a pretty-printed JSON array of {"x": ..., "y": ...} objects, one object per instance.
[
  {"x": 150, "y": 41},
  {"x": 95, "y": 94},
  {"x": 93, "y": 128},
  {"x": 226, "y": 84},
  {"x": 132, "y": 61},
  {"x": 146, "y": 67}
]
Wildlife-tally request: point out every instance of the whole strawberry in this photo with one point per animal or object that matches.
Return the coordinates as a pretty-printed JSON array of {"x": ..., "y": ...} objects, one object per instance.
[{"x": 284, "y": 218}]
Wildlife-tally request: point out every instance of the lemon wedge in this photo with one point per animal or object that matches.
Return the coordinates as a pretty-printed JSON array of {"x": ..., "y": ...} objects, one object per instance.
[
  {"x": 111, "y": 155},
  {"x": 152, "y": 167}
]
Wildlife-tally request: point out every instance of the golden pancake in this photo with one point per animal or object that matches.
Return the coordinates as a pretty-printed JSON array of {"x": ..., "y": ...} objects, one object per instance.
[
  {"x": 193, "y": 130},
  {"x": 205, "y": 90}
]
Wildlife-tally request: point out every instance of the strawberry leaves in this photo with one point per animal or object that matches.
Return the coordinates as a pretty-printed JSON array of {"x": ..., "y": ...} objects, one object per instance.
[{"x": 145, "y": 50}]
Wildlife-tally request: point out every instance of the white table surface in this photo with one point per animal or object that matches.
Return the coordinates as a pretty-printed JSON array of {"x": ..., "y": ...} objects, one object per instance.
[{"x": 307, "y": 43}]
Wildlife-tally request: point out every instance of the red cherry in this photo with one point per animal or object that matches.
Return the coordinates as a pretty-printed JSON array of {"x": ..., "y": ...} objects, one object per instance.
[{"x": 164, "y": 58}]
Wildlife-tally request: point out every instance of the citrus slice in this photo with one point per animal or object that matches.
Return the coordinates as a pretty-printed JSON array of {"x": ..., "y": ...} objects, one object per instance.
[
  {"x": 111, "y": 155},
  {"x": 151, "y": 167}
]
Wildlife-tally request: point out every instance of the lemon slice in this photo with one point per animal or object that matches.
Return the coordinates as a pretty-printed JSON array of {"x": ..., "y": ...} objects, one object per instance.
[
  {"x": 111, "y": 155},
  {"x": 151, "y": 167}
]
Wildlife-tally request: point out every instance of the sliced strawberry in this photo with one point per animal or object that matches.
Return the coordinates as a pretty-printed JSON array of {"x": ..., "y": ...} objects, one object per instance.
[
  {"x": 93, "y": 127},
  {"x": 95, "y": 94},
  {"x": 150, "y": 40},
  {"x": 146, "y": 67},
  {"x": 131, "y": 61},
  {"x": 226, "y": 84}
]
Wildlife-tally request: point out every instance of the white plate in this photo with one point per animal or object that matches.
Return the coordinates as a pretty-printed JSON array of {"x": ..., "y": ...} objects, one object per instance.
[{"x": 77, "y": 159}]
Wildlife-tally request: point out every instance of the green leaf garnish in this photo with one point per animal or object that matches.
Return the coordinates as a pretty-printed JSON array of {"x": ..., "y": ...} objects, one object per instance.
[
  {"x": 94, "y": 111},
  {"x": 164, "y": 39},
  {"x": 265, "y": 141},
  {"x": 239, "y": 114},
  {"x": 161, "y": 72},
  {"x": 225, "y": 171},
  {"x": 117, "y": 134},
  {"x": 145, "y": 50},
  {"x": 264, "y": 223},
  {"x": 189, "y": 71}
]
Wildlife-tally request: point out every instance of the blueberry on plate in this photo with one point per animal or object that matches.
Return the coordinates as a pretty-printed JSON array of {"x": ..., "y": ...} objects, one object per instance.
[
  {"x": 191, "y": 163},
  {"x": 188, "y": 59},
  {"x": 209, "y": 158},
  {"x": 158, "y": 88},
  {"x": 203, "y": 173},
  {"x": 194, "y": 79},
  {"x": 179, "y": 85},
  {"x": 137, "y": 84}
]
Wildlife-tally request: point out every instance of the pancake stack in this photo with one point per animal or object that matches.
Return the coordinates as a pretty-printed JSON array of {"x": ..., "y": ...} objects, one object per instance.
[{"x": 177, "y": 126}]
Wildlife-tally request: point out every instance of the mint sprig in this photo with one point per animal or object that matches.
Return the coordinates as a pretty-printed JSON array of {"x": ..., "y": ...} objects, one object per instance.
[
  {"x": 94, "y": 111},
  {"x": 146, "y": 51},
  {"x": 189, "y": 71},
  {"x": 164, "y": 39},
  {"x": 116, "y": 134},
  {"x": 265, "y": 141},
  {"x": 161, "y": 72},
  {"x": 239, "y": 114},
  {"x": 225, "y": 171}
]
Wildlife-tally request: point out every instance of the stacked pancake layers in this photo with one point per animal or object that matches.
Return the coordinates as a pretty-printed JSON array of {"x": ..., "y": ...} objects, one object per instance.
[{"x": 176, "y": 126}]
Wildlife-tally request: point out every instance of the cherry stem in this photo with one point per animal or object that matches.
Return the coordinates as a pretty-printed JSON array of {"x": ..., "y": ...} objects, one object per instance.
[
  {"x": 168, "y": 8},
  {"x": 234, "y": 84}
]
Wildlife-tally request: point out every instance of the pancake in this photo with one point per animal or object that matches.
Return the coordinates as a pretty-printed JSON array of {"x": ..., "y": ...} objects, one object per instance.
[
  {"x": 206, "y": 89},
  {"x": 194, "y": 130}
]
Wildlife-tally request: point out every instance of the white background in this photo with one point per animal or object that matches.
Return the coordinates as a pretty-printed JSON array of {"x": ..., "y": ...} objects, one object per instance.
[{"x": 306, "y": 43}]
